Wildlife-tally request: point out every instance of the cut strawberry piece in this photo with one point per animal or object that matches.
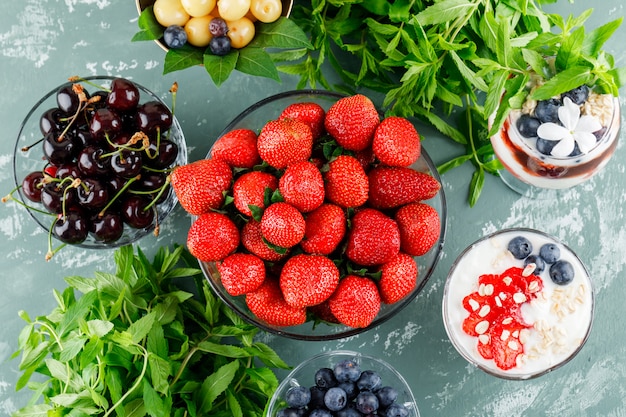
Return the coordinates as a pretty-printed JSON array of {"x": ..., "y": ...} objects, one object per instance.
[{"x": 505, "y": 344}]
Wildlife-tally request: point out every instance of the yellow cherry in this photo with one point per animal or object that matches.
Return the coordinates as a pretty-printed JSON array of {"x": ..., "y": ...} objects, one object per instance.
[
  {"x": 170, "y": 12},
  {"x": 240, "y": 32},
  {"x": 233, "y": 9},
  {"x": 197, "y": 29},
  {"x": 197, "y": 8},
  {"x": 266, "y": 11}
]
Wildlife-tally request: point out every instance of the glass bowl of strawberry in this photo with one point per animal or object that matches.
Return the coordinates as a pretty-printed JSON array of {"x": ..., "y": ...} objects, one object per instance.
[
  {"x": 343, "y": 383},
  {"x": 92, "y": 161},
  {"x": 518, "y": 303},
  {"x": 315, "y": 217}
]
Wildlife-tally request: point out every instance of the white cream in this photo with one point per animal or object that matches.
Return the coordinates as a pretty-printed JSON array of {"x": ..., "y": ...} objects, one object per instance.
[{"x": 560, "y": 316}]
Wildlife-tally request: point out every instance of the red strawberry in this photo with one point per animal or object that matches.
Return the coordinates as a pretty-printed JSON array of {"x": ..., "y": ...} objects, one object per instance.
[
  {"x": 419, "y": 226},
  {"x": 374, "y": 238},
  {"x": 308, "y": 112},
  {"x": 241, "y": 273},
  {"x": 355, "y": 302},
  {"x": 302, "y": 186},
  {"x": 398, "y": 278},
  {"x": 200, "y": 185},
  {"x": 396, "y": 142},
  {"x": 322, "y": 312},
  {"x": 212, "y": 237},
  {"x": 307, "y": 280},
  {"x": 285, "y": 142},
  {"x": 391, "y": 187},
  {"x": 252, "y": 239},
  {"x": 237, "y": 148},
  {"x": 352, "y": 121},
  {"x": 249, "y": 189},
  {"x": 268, "y": 304},
  {"x": 325, "y": 228},
  {"x": 346, "y": 182},
  {"x": 282, "y": 225}
]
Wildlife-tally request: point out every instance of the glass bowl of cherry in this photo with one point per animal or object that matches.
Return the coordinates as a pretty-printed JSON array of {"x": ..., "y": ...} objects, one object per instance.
[{"x": 92, "y": 162}]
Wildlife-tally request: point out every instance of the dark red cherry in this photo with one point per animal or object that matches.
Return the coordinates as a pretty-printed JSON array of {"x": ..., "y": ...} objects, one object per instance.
[
  {"x": 105, "y": 122},
  {"x": 92, "y": 194},
  {"x": 56, "y": 197},
  {"x": 67, "y": 171},
  {"x": 153, "y": 116},
  {"x": 32, "y": 185},
  {"x": 135, "y": 213},
  {"x": 52, "y": 120},
  {"x": 107, "y": 228},
  {"x": 124, "y": 95},
  {"x": 164, "y": 156},
  {"x": 126, "y": 164},
  {"x": 93, "y": 162},
  {"x": 67, "y": 100},
  {"x": 71, "y": 228},
  {"x": 59, "y": 151}
]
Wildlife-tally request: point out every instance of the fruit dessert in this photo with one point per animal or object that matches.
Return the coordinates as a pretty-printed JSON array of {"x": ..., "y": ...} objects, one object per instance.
[
  {"x": 518, "y": 303},
  {"x": 345, "y": 388},
  {"x": 103, "y": 154},
  {"x": 318, "y": 215},
  {"x": 559, "y": 142}
]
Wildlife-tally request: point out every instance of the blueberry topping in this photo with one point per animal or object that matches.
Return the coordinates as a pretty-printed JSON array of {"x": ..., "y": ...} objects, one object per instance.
[
  {"x": 175, "y": 36},
  {"x": 550, "y": 253},
  {"x": 562, "y": 272},
  {"x": 545, "y": 146},
  {"x": 540, "y": 264},
  {"x": 520, "y": 247},
  {"x": 369, "y": 380},
  {"x": 347, "y": 370},
  {"x": 317, "y": 397},
  {"x": 220, "y": 45},
  {"x": 547, "y": 110},
  {"x": 325, "y": 378},
  {"x": 335, "y": 399},
  {"x": 350, "y": 388},
  {"x": 366, "y": 402},
  {"x": 298, "y": 397},
  {"x": 386, "y": 396},
  {"x": 528, "y": 125},
  {"x": 320, "y": 412},
  {"x": 578, "y": 95}
]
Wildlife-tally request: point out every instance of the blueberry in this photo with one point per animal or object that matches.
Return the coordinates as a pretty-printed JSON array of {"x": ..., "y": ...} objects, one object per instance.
[
  {"x": 350, "y": 388},
  {"x": 298, "y": 397},
  {"x": 369, "y": 380},
  {"x": 335, "y": 399},
  {"x": 291, "y": 412},
  {"x": 520, "y": 247},
  {"x": 528, "y": 125},
  {"x": 547, "y": 110},
  {"x": 325, "y": 378},
  {"x": 349, "y": 411},
  {"x": 347, "y": 370},
  {"x": 562, "y": 272},
  {"x": 366, "y": 402},
  {"x": 175, "y": 36},
  {"x": 540, "y": 264},
  {"x": 578, "y": 95},
  {"x": 550, "y": 253},
  {"x": 220, "y": 45},
  {"x": 320, "y": 412},
  {"x": 218, "y": 27},
  {"x": 396, "y": 410},
  {"x": 545, "y": 146},
  {"x": 386, "y": 396},
  {"x": 317, "y": 397}
]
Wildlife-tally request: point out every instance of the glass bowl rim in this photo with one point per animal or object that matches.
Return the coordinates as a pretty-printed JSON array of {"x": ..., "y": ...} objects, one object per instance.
[
  {"x": 462, "y": 351},
  {"x": 400, "y": 305}
]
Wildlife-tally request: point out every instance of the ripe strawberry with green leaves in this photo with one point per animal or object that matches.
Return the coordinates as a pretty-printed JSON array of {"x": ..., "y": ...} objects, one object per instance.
[
  {"x": 308, "y": 280},
  {"x": 212, "y": 237},
  {"x": 201, "y": 186},
  {"x": 373, "y": 239},
  {"x": 302, "y": 186},
  {"x": 284, "y": 142},
  {"x": 352, "y": 121},
  {"x": 308, "y": 112},
  {"x": 241, "y": 273},
  {"x": 237, "y": 148},
  {"x": 391, "y": 187},
  {"x": 346, "y": 182},
  {"x": 325, "y": 229},
  {"x": 268, "y": 304},
  {"x": 396, "y": 142},
  {"x": 252, "y": 240},
  {"x": 419, "y": 226},
  {"x": 249, "y": 190},
  {"x": 398, "y": 278},
  {"x": 282, "y": 225},
  {"x": 355, "y": 302}
]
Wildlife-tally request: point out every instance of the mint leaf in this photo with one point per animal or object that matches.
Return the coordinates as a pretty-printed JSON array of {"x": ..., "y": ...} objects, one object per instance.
[
  {"x": 444, "y": 11},
  {"x": 215, "y": 384},
  {"x": 564, "y": 81}
]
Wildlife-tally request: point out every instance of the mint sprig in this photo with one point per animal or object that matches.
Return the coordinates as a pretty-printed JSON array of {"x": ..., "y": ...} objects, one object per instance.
[
  {"x": 135, "y": 343},
  {"x": 433, "y": 58},
  {"x": 257, "y": 58}
]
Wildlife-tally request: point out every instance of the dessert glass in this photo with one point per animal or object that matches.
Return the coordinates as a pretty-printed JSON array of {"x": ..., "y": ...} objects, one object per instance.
[
  {"x": 304, "y": 373},
  {"x": 538, "y": 174},
  {"x": 557, "y": 318}
]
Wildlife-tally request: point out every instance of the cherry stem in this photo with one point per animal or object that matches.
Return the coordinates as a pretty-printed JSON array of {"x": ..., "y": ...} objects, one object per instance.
[{"x": 118, "y": 194}]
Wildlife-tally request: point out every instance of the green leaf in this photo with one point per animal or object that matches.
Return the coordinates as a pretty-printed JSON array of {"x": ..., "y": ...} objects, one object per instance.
[
  {"x": 283, "y": 33},
  {"x": 139, "y": 329},
  {"x": 233, "y": 403},
  {"x": 152, "y": 402},
  {"x": 99, "y": 328},
  {"x": 229, "y": 351},
  {"x": 150, "y": 27},
  {"x": 570, "y": 49},
  {"x": 476, "y": 186},
  {"x": 256, "y": 61},
  {"x": 467, "y": 73},
  {"x": 594, "y": 40},
  {"x": 453, "y": 163},
  {"x": 496, "y": 89},
  {"x": 444, "y": 11},
  {"x": 267, "y": 355},
  {"x": 214, "y": 385},
  {"x": 220, "y": 67},
  {"x": 182, "y": 58},
  {"x": 537, "y": 62},
  {"x": 160, "y": 371},
  {"x": 563, "y": 81}
]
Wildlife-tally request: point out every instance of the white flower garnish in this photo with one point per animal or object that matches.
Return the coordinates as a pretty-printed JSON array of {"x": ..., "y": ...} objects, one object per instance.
[{"x": 576, "y": 129}]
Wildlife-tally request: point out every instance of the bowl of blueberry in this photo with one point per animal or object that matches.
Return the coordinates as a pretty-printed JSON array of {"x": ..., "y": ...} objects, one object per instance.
[
  {"x": 92, "y": 162},
  {"x": 343, "y": 383}
]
